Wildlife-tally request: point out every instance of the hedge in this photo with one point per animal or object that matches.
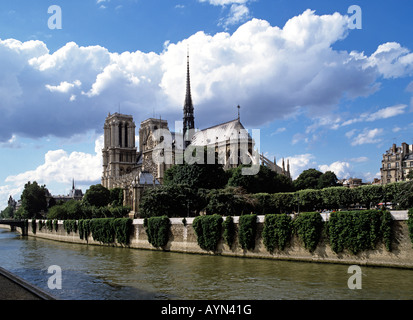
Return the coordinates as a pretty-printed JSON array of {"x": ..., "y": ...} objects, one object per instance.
[
  {"x": 359, "y": 230},
  {"x": 247, "y": 231},
  {"x": 157, "y": 229},
  {"x": 277, "y": 231},
  {"x": 107, "y": 230},
  {"x": 208, "y": 229},
  {"x": 308, "y": 226}
]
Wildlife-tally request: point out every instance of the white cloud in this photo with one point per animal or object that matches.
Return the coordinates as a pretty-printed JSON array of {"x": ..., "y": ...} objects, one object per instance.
[
  {"x": 342, "y": 169},
  {"x": 367, "y": 136},
  {"x": 299, "y": 163},
  {"x": 392, "y": 60},
  {"x": 226, "y": 70},
  {"x": 384, "y": 113},
  {"x": 61, "y": 167},
  {"x": 238, "y": 13},
  {"x": 64, "y": 86}
]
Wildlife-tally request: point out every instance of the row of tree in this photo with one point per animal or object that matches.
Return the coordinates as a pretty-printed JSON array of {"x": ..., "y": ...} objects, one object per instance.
[
  {"x": 190, "y": 189},
  {"x": 98, "y": 202}
]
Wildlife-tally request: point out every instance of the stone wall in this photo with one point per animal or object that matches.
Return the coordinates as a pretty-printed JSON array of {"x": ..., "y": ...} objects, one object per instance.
[{"x": 183, "y": 239}]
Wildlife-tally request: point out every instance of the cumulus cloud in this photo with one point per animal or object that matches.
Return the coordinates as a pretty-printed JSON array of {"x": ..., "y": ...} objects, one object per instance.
[
  {"x": 271, "y": 72},
  {"x": 60, "y": 166},
  {"x": 299, "y": 163},
  {"x": 342, "y": 169}
]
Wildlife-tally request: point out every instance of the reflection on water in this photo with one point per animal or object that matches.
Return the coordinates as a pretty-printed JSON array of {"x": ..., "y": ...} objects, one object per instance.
[{"x": 100, "y": 273}]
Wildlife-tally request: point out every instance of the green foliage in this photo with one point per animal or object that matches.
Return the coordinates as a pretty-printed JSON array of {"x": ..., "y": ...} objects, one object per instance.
[
  {"x": 97, "y": 195},
  {"x": 308, "y": 179},
  {"x": 196, "y": 176},
  {"x": 157, "y": 229},
  {"x": 285, "y": 202},
  {"x": 102, "y": 230},
  {"x": 265, "y": 181},
  {"x": 277, "y": 231},
  {"x": 49, "y": 225},
  {"x": 404, "y": 196},
  {"x": 229, "y": 201},
  {"x": 326, "y": 180},
  {"x": 7, "y": 213},
  {"x": 309, "y": 199},
  {"x": 172, "y": 201},
  {"x": 208, "y": 230},
  {"x": 410, "y": 223},
  {"x": 247, "y": 231},
  {"x": 116, "y": 197},
  {"x": 84, "y": 228},
  {"x": 75, "y": 210},
  {"x": 308, "y": 226},
  {"x": 123, "y": 228},
  {"x": 357, "y": 231},
  {"x": 70, "y": 225},
  {"x": 56, "y": 225},
  {"x": 33, "y": 199},
  {"x": 34, "y": 226},
  {"x": 264, "y": 204},
  {"x": 229, "y": 230}
]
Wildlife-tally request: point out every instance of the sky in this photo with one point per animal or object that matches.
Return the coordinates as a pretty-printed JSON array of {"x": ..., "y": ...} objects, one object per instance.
[{"x": 328, "y": 85}]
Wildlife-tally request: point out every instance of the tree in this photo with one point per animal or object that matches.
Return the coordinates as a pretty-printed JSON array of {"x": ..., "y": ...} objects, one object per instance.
[
  {"x": 7, "y": 213},
  {"x": 172, "y": 201},
  {"x": 33, "y": 199},
  {"x": 265, "y": 181},
  {"x": 230, "y": 202},
  {"x": 116, "y": 197},
  {"x": 97, "y": 195},
  {"x": 197, "y": 176},
  {"x": 327, "y": 179},
  {"x": 308, "y": 179}
]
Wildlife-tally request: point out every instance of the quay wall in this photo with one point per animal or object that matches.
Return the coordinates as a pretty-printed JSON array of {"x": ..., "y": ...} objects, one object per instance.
[{"x": 182, "y": 238}]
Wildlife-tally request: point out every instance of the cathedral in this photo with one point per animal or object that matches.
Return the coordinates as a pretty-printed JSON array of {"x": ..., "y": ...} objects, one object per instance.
[{"x": 132, "y": 169}]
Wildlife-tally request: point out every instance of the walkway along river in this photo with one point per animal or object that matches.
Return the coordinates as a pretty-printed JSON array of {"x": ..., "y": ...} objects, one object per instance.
[{"x": 101, "y": 272}]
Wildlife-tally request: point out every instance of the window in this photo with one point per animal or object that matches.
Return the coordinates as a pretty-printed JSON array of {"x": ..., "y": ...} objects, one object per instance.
[
  {"x": 397, "y": 164},
  {"x": 411, "y": 163},
  {"x": 389, "y": 166},
  {"x": 397, "y": 156}
]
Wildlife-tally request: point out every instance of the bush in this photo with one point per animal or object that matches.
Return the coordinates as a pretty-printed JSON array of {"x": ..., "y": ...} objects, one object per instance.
[
  {"x": 70, "y": 225},
  {"x": 84, "y": 228},
  {"x": 247, "y": 231},
  {"x": 277, "y": 231},
  {"x": 229, "y": 202},
  {"x": 229, "y": 231},
  {"x": 359, "y": 230},
  {"x": 208, "y": 230},
  {"x": 123, "y": 228},
  {"x": 308, "y": 226},
  {"x": 157, "y": 229}
]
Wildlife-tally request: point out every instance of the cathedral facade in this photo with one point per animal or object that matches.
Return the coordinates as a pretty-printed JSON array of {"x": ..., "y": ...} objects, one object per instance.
[{"x": 132, "y": 169}]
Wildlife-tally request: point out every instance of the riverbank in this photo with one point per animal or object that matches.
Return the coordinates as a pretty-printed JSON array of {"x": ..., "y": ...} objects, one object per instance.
[
  {"x": 13, "y": 287},
  {"x": 182, "y": 238}
]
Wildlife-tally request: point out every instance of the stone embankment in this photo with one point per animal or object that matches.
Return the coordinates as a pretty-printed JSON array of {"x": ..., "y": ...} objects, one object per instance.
[{"x": 182, "y": 238}]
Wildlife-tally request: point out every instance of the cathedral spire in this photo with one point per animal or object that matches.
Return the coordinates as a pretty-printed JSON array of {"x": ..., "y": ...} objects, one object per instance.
[{"x": 188, "y": 106}]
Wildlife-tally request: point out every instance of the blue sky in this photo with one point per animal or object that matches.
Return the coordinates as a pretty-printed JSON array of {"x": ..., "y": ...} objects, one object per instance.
[{"x": 324, "y": 95}]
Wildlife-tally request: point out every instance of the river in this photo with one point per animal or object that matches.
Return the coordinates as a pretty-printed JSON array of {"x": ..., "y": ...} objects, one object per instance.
[{"x": 103, "y": 273}]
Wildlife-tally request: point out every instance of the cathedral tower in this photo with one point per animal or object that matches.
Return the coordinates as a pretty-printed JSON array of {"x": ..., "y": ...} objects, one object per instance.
[{"x": 119, "y": 151}]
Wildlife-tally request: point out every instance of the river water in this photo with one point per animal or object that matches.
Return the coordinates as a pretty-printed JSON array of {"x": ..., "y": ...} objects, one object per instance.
[{"x": 103, "y": 273}]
